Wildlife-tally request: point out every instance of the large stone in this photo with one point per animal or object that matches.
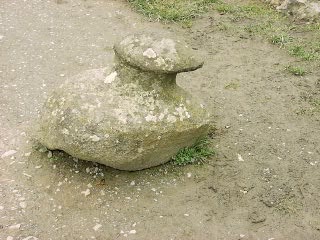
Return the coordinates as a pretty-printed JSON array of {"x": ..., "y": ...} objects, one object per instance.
[
  {"x": 302, "y": 9},
  {"x": 306, "y": 10},
  {"x": 131, "y": 115}
]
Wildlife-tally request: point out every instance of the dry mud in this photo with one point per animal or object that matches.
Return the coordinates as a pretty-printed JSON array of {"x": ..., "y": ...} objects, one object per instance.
[{"x": 263, "y": 183}]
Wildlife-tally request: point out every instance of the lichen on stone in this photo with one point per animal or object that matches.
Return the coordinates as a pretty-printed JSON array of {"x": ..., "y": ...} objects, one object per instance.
[{"x": 130, "y": 115}]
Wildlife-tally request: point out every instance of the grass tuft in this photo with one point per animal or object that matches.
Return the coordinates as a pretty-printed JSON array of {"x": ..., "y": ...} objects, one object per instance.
[
  {"x": 299, "y": 51},
  {"x": 252, "y": 19},
  {"x": 172, "y": 10},
  {"x": 297, "y": 71},
  {"x": 280, "y": 40},
  {"x": 198, "y": 153}
]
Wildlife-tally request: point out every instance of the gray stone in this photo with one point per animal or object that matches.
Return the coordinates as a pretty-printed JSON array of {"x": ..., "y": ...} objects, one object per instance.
[
  {"x": 305, "y": 10},
  {"x": 302, "y": 9},
  {"x": 162, "y": 55},
  {"x": 131, "y": 115}
]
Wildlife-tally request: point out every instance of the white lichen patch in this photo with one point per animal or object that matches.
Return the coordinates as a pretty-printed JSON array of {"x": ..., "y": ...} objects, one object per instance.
[
  {"x": 75, "y": 111},
  {"x": 161, "y": 116},
  {"x": 94, "y": 138},
  {"x": 167, "y": 48},
  {"x": 165, "y": 64},
  {"x": 87, "y": 106},
  {"x": 121, "y": 115},
  {"x": 151, "y": 118},
  {"x": 182, "y": 112},
  {"x": 160, "y": 62},
  {"x": 65, "y": 131},
  {"x": 54, "y": 112},
  {"x": 61, "y": 101},
  {"x": 111, "y": 77},
  {"x": 149, "y": 53},
  {"x": 171, "y": 118},
  {"x": 127, "y": 40}
]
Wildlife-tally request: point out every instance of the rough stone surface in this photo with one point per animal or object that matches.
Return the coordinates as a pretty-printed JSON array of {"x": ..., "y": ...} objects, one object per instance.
[
  {"x": 300, "y": 9},
  {"x": 123, "y": 117},
  {"x": 151, "y": 53}
]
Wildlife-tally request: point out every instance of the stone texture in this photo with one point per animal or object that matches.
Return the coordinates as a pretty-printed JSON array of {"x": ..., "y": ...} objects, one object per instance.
[
  {"x": 162, "y": 55},
  {"x": 300, "y": 9},
  {"x": 131, "y": 115}
]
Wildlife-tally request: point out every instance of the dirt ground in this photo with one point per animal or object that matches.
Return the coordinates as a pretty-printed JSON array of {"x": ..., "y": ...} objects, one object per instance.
[{"x": 263, "y": 183}]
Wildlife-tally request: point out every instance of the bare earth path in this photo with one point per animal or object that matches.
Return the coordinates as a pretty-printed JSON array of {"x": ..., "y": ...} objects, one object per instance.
[{"x": 264, "y": 182}]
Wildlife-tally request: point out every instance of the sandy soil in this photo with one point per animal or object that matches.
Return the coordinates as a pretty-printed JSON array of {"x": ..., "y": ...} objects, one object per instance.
[{"x": 264, "y": 182}]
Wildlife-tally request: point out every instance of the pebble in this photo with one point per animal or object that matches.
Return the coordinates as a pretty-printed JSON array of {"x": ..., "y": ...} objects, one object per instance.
[
  {"x": 23, "y": 204},
  {"x": 133, "y": 183},
  {"x": 49, "y": 154},
  {"x": 189, "y": 175},
  {"x": 257, "y": 217},
  {"x": 16, "y": 226},
  {"x": 96, "y": 227},
  {"x": 30, "y": 238},
  {"x": 27, "y": 175},
  {"x": 8, "y": 153},
  {"x": 9, "y": 238},
  {"x": 27, "y": 154},
  {"x": 1, "y": 207},
  {"x": 86, "y": 192},
  {"x": 240, "y": 158},
  {"x": 132, "y": 232}
]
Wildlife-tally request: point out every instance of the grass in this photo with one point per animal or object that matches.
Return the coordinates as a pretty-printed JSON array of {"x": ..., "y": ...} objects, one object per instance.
[
  {"x": 281, "y": 40},
  {"x": 225, "y": 8},
  {"x": 186, "y": 10},
  {"x": 198, "y": 153},
  {"x": 301, "y": 52},
  {"x": 255, "y": 19},
  {"x": 297, "y": 71},
  {"x": 247, "y": 19},
  {"x": 172, "y": 10},
  {"x": 316, "y": 104}
]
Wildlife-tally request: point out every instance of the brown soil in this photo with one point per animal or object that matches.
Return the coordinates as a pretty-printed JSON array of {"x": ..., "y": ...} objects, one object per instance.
[{"x": 264, "y": 182}]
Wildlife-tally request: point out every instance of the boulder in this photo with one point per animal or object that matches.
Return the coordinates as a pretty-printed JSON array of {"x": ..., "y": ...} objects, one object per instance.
[
  {"x": 305, "y": 10},
  {"x": 131, "y": 114},
  {"x": 302, "y": 9}
]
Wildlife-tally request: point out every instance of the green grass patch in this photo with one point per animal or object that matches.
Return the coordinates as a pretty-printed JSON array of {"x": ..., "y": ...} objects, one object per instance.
[
  {"x": 198, "y": 153},
  {"x": 172, "y": 10},
  {"x": 225, "y": 8},
  {"x": 316, "y": 104},
  {"x": 249, "y": 18},
  {"x": 281, "y": 39},
  {"x": 301, "y": 52},
  {"x": 312, "y": 27},
  {"x": 297, "y": 71}
]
